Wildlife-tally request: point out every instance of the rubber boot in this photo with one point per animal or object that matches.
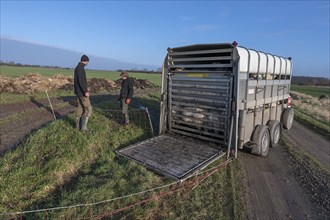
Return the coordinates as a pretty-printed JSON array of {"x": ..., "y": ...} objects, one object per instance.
[
  {"x": 78, "y": 123},
  {"x": 84, "y": 123}
]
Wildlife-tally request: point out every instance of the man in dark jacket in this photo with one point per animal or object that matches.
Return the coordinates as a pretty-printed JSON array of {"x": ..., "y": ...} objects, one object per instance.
[
  {"x": 126, "y": 94},
  {"x": 84, "y": 110}
]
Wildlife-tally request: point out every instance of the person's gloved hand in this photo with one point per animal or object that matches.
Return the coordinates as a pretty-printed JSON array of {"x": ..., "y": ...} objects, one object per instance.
[{"x": 128, "y": 100}]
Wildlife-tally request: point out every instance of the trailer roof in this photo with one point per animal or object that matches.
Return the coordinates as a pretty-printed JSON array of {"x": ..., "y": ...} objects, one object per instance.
[
  {"x": 251, "y": 61},
  {"x": 201, "y": 47}
]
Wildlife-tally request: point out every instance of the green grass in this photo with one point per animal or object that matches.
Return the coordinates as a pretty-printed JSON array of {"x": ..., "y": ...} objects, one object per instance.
[
  {"x": 315, "y": 91},
  {"x": 112, "y": 75},
  {"x": 52, "y": 156},
  {"x": 59, "y": 166},
  {"x": 19, "y": 71}
]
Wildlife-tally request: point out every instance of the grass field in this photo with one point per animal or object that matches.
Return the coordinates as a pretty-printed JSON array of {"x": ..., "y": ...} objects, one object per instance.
[
  {"x": 112, "y": 75},
  {"x": 315, "y": 91}
]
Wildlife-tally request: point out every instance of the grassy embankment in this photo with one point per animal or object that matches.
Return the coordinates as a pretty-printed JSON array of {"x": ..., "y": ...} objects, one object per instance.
[
  {"x": 315, "y": 91},
  {"x": 310, "y": 110}
]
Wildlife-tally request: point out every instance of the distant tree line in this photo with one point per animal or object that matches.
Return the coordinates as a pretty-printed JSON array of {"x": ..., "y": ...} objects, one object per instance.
[
  {"x": 308, "y": 80},
  {"x": 134, "y": 70},
  {"x": 11, "y": 63},
  {"x": 157, "y": 71}
]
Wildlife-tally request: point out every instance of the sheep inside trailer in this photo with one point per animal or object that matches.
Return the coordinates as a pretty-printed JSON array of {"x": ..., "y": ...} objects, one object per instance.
[{"x": 215, "y": 98}]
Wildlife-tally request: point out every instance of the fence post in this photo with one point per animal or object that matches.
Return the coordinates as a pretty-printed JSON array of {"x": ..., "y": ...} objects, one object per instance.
[
  {"x": 152, "y": 128},
  {"x": 51, "y": 106}
]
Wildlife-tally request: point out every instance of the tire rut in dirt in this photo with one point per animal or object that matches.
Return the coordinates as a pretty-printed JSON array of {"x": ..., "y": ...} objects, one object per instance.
[
  {"x": 273, "y": 191},
  {"x": 13, "y": 133},
  {"x": 311, "y": 142},
  {"x": 10, "y": 109},
  {"x": 310, "y": 175}
]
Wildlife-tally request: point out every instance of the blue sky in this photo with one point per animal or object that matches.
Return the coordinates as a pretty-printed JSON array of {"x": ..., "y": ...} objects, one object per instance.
[{"x": 141, "y": 31}]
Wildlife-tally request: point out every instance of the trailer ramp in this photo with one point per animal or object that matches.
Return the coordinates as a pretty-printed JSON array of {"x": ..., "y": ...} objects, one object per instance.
[{"x": 172, "y": 155}]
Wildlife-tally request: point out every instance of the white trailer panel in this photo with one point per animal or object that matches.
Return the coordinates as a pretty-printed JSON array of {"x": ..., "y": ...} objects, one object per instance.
[
  {"x": 271, "y": 64},
  {"x": 257, "y": 62},
  {"x": 262, "y": 63}
]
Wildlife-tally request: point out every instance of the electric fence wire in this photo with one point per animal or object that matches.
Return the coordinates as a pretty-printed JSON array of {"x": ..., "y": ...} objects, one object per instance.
[{"x": 225, "y": 163}]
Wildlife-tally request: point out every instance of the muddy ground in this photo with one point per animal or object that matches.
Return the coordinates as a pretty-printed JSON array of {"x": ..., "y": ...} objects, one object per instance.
[{"x": 277, "y": 187}]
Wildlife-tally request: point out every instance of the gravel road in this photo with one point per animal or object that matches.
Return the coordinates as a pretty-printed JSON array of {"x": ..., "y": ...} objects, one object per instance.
[{"x": 280, "y": 187}]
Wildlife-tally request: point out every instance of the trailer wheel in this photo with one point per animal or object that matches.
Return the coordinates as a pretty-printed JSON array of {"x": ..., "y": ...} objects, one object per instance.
[
  {"x": 275, "y": 131},
  {"x": 261, "y": 137},
  {"x": 287, "y": 119}
]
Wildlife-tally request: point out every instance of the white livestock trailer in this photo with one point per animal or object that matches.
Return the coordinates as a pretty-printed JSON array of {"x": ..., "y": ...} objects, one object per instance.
[{"x": 216, "y": 99}]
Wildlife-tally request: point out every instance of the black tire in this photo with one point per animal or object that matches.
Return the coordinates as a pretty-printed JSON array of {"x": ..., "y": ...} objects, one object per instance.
[
  {"x": 275, "y": 130},
  {"x": 287, "y": 118},
  {"x": 261, "y": 138}
]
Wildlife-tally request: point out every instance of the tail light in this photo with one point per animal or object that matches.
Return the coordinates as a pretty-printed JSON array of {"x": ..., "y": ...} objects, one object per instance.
[{"x": 289, "y": 101}]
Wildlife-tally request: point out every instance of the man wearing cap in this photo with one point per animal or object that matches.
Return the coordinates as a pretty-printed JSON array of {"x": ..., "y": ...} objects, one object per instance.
[
  {"x": 126, "y": 94},
  {"x": 84, "y": 110}
]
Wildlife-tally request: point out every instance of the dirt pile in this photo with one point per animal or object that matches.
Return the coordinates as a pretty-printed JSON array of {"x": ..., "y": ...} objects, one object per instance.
[
  {"x": 34, "y": 82},
  {"x": 138, "y": 83},
  {"x": 98, "y": 85}
]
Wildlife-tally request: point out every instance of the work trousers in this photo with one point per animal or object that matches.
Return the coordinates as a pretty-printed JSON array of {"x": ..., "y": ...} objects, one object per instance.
[
  {"x": 84, "y": 107},
  {"x": 124, "y": 109}
]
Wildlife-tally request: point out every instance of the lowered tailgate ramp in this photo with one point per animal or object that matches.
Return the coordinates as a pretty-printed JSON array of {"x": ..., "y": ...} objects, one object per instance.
[{"x": 172, "y": 155}]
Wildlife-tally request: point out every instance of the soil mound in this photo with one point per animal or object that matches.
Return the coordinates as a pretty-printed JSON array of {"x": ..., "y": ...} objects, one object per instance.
[
  {"x": 98, "y": 85},
  {"x": 138, "y": 83},
  {"x": 34, "y": 82}
]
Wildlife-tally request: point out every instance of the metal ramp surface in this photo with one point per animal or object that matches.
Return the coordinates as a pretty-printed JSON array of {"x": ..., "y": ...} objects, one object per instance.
[{"x": 172, "y": 155}]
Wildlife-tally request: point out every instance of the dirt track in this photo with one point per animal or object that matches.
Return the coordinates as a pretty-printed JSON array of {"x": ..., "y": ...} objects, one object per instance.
[
  {"x": 312, "y": 143},
  {"x": 280, "y": 187},
  {"x": 19, "y": 120}
]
